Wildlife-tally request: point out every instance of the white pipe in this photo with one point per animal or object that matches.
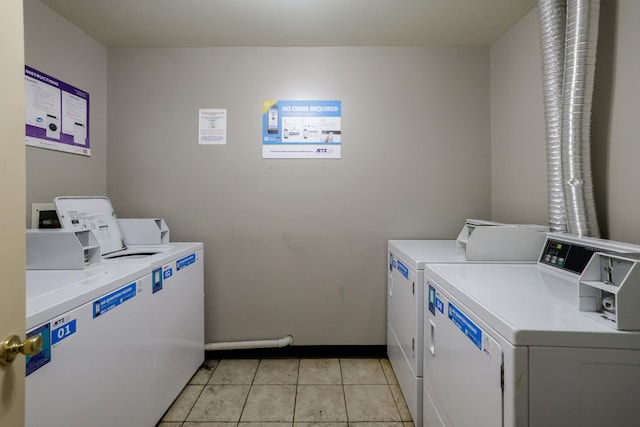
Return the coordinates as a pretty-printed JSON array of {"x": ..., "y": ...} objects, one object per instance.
[{"x": 238, "y": 345}]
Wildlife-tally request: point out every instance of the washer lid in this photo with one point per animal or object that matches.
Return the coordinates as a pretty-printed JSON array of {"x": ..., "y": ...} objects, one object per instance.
[{"x": 91, "y": 213}]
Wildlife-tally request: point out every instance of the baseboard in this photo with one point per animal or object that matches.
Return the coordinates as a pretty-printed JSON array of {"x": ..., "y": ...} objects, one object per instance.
[{"x": 302, "y": 351}]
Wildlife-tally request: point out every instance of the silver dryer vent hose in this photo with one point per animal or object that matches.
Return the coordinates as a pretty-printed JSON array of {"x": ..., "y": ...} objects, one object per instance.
[
  {"x": 552, "y": 18},
  {"x": 577, "y": 87},
  {"x": 568, "y": 39}
]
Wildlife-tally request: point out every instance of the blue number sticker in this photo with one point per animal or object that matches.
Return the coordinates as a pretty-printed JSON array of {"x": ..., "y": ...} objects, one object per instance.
[{"x": 62, "y": 332}]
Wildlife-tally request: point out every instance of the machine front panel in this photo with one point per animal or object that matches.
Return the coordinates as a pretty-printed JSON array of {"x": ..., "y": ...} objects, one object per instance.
[{"x": 462, "y": 363}]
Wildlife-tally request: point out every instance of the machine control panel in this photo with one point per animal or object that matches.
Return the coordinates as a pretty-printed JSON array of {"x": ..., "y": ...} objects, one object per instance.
[{"x": 567, "y": 256}]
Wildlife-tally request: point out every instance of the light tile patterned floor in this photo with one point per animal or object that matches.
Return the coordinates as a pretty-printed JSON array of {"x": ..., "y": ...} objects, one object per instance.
[{"x": 291, "y": 393}]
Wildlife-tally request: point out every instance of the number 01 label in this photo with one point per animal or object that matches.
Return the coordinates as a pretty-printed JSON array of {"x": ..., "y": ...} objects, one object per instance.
[{"x": 62, "y": 332}]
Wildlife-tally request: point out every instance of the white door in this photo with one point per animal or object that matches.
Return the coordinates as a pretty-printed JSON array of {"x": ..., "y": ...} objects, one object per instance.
[
  {"x": 462, "y": 364},
  {"x": 12, "y": 200}
]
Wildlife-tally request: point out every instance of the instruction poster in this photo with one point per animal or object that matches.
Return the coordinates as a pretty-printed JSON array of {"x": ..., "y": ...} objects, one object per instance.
[
  {"x": 301, "y": 129},
  {"x": 56, "y": 114},
  {"x": 212, "y": 126}
]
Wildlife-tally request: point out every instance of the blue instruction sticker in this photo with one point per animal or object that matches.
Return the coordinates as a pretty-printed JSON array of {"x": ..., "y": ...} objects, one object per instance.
[
  {"x": 403, "y": 270},
  {"x": 156, "y": 279},
  {"x": 168, "y": 272},
  {"x": 113, "y": 300},
  {"x": 432, "y": 299},
  {"x": 64, "y": 331},
  {"x": 439, "y": 305},
  {"x": 391, "y": 262},
  {"x": 470, "y": 329},
  {"x": 37, "y": 361},
  {"x": 185, "y": 262}
]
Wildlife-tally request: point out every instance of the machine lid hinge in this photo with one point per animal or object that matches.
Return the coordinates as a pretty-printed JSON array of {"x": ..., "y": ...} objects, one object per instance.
[
  {"x": 502, "y": 377},
  {"x": 413, "y": 344},
  {"x": 413, "y": 289}
]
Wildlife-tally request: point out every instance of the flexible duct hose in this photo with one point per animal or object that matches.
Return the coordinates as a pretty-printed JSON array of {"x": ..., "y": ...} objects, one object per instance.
[
  {"x": 568, "y": 40},
  {"x": 579, "y": 71},
  {"x": 552, "y": 21}
]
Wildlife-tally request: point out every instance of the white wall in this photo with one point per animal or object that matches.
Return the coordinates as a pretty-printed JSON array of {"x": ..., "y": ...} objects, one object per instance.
[
  {"x": 299, "y": 246},
  {"x": 58, "y": 48},
  {"x": 518, "y": 153}
]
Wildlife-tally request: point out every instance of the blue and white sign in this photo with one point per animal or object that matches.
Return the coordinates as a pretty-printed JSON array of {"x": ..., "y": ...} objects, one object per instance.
[
  {"x": 403, "y": 270},
  {"x": 470, "y": 329},
  {"x": 301, "y": 129},
  {"x": 156, "y": 280},
  {"x": 185, "y": 262},
  {"x": 168, "y": 272},
  {"x": 114, "y": 299},
  {"x": 37, "y": 361}
]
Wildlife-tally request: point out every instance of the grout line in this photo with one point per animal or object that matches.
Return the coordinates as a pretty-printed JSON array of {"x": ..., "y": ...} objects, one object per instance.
[
  {"x": 295, "y": 395},
  {"x": 246, "y": 399},
  {"x": 193, "y": 405},
  {"x": 344, "y": 392},
  {"x": 201, "y": 391},
  {"x": 391, "y": 391}
]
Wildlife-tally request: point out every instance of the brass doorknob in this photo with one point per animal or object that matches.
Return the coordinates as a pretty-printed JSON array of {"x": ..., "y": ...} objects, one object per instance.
[{"x": 11, "y": 346}]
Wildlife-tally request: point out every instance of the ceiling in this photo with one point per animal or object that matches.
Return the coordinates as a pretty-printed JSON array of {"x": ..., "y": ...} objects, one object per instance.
[{"x": 199, "y": 23}]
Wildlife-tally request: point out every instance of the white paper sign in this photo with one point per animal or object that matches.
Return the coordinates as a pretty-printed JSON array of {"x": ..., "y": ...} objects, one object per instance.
[{"x": 212, "y": 126}]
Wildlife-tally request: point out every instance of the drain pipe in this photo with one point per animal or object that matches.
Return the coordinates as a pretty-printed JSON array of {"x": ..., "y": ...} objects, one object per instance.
[
  {"x": 577, "y": 86},
  {"x": 240, "y": 345},
  {"x": 552, "y": 17}
]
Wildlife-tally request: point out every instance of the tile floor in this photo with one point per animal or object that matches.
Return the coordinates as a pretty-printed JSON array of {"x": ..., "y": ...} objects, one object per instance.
[{"x": 291, "y": 393}]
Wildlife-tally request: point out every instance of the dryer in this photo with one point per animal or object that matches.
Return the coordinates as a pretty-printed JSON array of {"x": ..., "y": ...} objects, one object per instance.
[
  {"x": 478, "y": 241},
  {"x": 506, "y": 345}
]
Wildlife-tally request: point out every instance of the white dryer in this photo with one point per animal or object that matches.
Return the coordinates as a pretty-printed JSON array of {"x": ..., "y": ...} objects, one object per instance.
[
  {"x": 93, "y": 369},
  {"x": 506, "y": 345},
  {"x": 478, "y": 241}
]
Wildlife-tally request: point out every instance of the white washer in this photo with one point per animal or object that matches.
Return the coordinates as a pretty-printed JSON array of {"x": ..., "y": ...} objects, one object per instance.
[
  {"x": 405, "y": 299},
  {"x": 176, "y": 313},
  {"x": 506, "y": 345},
  {"x": 177, "y": 293},
  {"x": 94, "y": 367}
]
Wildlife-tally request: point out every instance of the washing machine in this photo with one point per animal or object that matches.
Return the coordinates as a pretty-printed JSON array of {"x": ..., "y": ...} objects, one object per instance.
[
  {"x": 93, "y": 368},
  {"x": 478, "y": 241},
  {"x": 507, "y": 345},
  {"x": 177, "y": 290}
]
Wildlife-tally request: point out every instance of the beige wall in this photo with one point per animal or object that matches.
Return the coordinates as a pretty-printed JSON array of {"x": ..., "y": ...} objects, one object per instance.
[
  {"x": 518, "y": 162},
  {"x": 58, "y": 48},
  {"x": 299, "y": 246},
  {"x": 619, "y": 124},
  {"x": 517, "y": 123}
]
